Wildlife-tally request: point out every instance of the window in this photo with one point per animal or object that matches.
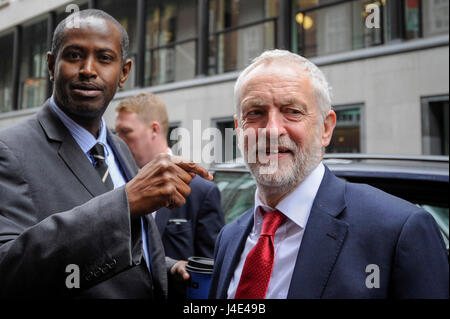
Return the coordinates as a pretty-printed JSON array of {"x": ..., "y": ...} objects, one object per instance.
[
  {"x": 435, "y": 17},
  {"x": 435, "y": 120},
  {"x": 171, "y": 31},
  {"x": 229, "y": 147},
  {"x": 239, "y": 31},
  {"x": 412, "y": 19},
  {"x": 347, "y": 134},
  {"x": 237, "y": 190},
  {"x": 325, "y": 27},
  {"x": 172, "y": 127},
  {"x": 126, "y": 15},
  {"x": 33, "y": 65},
  {"x": 323, "y": 30},
  {"x": 6, "y": 58}
]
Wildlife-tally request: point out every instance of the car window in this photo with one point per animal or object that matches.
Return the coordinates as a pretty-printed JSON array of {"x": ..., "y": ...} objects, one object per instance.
[
  {"x": 237, "y": 192},
  {"x": 440, "y": 214}
]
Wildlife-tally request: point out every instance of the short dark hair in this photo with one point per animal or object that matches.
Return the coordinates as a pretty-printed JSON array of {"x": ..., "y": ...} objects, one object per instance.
[{"x": 58, "y": 35}]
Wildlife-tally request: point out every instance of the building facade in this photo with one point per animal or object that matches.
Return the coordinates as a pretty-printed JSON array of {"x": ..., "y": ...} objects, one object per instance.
[{"x": 386, "y": 60}]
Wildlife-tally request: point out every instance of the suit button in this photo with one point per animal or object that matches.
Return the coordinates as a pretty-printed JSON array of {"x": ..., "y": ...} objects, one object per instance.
[
  {"x": 112, "y": 264},
  {"x": 105, "y": 269},
  {"x": 89, "y": 276}
]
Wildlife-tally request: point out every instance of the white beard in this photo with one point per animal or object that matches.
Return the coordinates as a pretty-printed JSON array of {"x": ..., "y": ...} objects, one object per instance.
[{"x": 288, "y": 173}]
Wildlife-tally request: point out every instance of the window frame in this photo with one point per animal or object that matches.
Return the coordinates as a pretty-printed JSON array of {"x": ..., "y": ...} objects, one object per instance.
[
  {"x": 9, "y": 108},
  {"x": 170, "y": 45},
  {"x": 39, "y": 19},
  {"x": 215, "y": 124},
  {"x": 424, "y": 112},
  {"x": 362, "y": 122},
  {"x": 216, "y": 35}
]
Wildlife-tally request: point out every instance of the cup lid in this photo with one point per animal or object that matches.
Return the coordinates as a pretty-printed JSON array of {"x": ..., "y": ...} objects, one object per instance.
[{"x": 200, "y": 264}]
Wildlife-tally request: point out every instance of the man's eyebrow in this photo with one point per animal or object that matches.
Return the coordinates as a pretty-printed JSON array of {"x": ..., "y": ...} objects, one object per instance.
[
  {"x": 253, "y": 101},
  {"x": 292, "y": 101},
  {"x": 73, "y": 47},
  {"x": 106, "y": 50},
  {"x": 81, "y": 48}
]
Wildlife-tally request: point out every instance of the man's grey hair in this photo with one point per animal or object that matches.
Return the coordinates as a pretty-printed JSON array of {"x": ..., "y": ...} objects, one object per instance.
[
  {"x": 318, "y": 80},
  {"x": 58, "y": 35}
]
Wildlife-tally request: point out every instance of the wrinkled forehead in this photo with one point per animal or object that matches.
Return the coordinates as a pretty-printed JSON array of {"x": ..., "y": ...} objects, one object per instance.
[
  {"x": 275, "y": 75},
  {"x": 276, "y": 69}
]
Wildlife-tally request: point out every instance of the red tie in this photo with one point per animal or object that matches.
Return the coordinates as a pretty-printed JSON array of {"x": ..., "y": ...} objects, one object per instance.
[{"x": 258, "y": 265}]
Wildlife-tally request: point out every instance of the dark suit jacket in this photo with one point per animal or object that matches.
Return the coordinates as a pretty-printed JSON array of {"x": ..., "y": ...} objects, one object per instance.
[
  {"x": 191, "y": 230},
  {"x": 55, "y": 211},
  {"x": 352, "y": 226}
]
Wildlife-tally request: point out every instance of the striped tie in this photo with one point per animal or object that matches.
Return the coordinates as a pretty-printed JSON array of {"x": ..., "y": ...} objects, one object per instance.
[{"x": 98, "y": 153}]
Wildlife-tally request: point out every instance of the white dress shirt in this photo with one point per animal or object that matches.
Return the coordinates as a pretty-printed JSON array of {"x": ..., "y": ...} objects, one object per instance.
[{"x": 288, "y": 237}]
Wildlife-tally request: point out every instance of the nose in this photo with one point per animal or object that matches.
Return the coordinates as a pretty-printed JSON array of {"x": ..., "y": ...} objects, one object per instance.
[
  {"x": 87, "y": 69},
  {"x": 274, "y": 124}
]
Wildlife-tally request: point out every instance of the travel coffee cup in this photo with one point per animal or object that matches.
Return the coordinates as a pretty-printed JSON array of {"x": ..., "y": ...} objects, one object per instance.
[{"x": 200, "y": 269}]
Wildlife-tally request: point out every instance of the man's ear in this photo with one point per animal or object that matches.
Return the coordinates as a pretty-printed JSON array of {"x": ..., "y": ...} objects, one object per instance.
[
  {"x": 126, "y": 68},
  {"x": 236, "y": 126},
  {"x": 155, "y": 128},
  {"x": 51, "y": 65},
  {"x": 328, "y": 127}
]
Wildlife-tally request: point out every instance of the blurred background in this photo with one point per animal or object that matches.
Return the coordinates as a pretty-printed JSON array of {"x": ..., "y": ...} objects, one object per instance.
[{"x": 390, "y": 84}]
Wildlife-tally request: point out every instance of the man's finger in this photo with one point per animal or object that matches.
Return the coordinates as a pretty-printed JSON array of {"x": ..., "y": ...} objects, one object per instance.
[
  {"x": 192, "y": 167},
  {"x": 182, "y": 187},
  {"x": 186, "y": 177},
  {"x": 180, "y": 269}
]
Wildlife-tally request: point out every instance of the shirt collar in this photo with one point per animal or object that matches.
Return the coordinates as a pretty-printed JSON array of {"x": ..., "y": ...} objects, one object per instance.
[
  {"x": 82, "y": 136},
  {"x": 297, "y": 205}
]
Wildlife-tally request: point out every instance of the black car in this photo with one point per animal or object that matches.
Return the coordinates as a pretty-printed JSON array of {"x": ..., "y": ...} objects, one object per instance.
[{"x": 422, "y": 180}]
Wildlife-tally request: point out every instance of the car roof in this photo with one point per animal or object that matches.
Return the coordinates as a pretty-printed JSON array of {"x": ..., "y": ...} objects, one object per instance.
[{"x": 421, "y": 167}]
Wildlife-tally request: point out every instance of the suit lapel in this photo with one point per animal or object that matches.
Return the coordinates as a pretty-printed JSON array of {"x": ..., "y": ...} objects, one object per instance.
[
  {"x": 232, "y": 255},
  {"x": 129, "y": 169},
  {"x": 322, "y": 240},
  {"x": 70, "y": 152}
]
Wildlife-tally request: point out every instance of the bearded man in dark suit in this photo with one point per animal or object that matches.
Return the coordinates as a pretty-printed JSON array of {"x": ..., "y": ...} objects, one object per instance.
[{"x": 310, "y": 234}]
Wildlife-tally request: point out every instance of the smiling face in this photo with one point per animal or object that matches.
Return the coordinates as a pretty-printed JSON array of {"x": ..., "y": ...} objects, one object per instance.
[
  {"x": 88, "y": 68},
  {"x": 278, "y": 104}
]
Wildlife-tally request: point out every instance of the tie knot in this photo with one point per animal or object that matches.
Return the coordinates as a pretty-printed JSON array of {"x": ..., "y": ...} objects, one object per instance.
[
  {"x": 271, "y": 221},
  {"x": 98, "y": 152}
]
